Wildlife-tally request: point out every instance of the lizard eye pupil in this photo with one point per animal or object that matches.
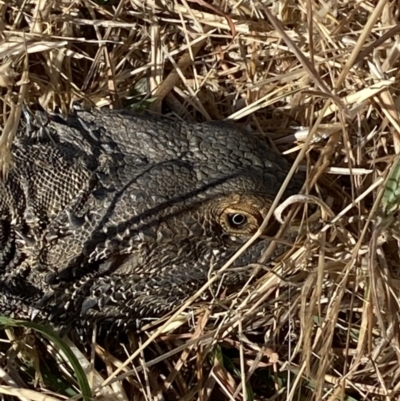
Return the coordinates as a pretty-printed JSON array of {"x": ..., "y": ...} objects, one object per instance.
[{"x": 237, "y": 219}]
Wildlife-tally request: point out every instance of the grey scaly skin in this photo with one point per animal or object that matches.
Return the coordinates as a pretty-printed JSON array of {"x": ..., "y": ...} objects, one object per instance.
[{"x": 117, "y": 218}]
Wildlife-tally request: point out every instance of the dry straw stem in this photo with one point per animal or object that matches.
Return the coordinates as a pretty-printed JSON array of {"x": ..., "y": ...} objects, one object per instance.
[
  {"x": 320, "y": 81},
  {"x": 25, "y": 394}
]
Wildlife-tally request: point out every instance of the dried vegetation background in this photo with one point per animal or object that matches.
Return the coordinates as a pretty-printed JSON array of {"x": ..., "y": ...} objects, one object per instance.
[{"x": 320, "y": 80}]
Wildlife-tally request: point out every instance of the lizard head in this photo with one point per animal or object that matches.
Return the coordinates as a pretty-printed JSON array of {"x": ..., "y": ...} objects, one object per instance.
[{"x": 161, "y": 207}]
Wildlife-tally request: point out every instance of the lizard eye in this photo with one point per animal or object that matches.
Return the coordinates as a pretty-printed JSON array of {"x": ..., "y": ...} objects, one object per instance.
[
  {"x": 240, "y": 222},
  {"x": 237, "y": 220}
]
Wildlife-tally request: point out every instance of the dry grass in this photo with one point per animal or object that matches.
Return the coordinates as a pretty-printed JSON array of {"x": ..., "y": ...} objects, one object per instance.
[{"x": 320, "y": 79}]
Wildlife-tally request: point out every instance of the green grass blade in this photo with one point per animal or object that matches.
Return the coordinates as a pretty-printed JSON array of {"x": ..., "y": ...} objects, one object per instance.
[{"x": 54, "y": 338}]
